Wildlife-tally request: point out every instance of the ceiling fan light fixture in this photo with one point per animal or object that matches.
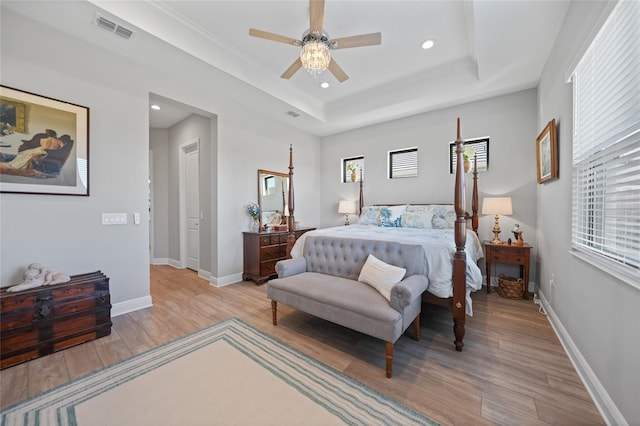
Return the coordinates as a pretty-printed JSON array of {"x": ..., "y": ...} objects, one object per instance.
[{"x": 315, "y": 56}]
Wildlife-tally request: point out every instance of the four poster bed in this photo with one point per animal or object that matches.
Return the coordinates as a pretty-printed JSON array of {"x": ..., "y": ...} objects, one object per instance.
[{"x": 447, "y": 243}]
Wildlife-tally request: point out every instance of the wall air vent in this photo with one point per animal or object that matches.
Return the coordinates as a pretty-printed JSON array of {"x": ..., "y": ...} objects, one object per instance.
[
  {"x": 112, "y": 27},
  {"x": 293, "y": 114}
]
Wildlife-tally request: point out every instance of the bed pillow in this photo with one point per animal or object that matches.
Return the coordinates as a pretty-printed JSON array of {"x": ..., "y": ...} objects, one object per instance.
[
  {"x": 443, "y": 217},
  {"x": 370, "y": 215},
  {"x": 391, "y": 216},
  {"x": 381, "y": 276},
  {"x": 414, "y": 219}
]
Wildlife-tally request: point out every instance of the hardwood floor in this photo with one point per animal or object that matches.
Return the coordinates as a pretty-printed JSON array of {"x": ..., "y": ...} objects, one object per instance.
[{"x": 512, "y": 371}]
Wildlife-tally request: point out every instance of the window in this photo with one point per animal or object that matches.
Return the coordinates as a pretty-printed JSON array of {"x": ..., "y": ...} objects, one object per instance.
[
  {"x": 403, "y": 163},
  {"x": 478, "y": 146},
  {"x": 606, "y": 147},
  {"x": 269, "y": 185},
  {"x": 352, "y": 169}
]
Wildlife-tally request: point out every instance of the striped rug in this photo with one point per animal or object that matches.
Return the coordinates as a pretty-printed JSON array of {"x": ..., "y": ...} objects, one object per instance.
[{"x": 226, "y": 374}]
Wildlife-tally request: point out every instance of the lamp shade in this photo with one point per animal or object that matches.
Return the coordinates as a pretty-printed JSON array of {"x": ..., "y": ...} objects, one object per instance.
[
  {"x": 347, "y": 207},
  {"x": 497, "y": 205}
]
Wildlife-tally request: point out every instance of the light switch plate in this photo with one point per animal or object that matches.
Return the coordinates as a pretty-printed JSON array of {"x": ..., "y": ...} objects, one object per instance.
[{"x": 114, "y": 218}]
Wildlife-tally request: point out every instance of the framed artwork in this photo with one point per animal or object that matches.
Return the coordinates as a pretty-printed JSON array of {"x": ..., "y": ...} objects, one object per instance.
[
  {"x": 547, "y": 153},
  {"x": 44, "y": 145},
  {"x": 477, "y": 149},
  {"x": 352, "y": 169}
]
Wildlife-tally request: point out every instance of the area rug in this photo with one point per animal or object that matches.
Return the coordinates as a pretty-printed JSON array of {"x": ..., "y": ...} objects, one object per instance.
[{"x": 227, "y": 374}]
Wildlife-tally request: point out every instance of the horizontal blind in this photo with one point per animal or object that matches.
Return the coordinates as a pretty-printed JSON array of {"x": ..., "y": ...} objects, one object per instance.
[
  {"x": 403, "y": 163},
  {"x": 606, "y": 141}
]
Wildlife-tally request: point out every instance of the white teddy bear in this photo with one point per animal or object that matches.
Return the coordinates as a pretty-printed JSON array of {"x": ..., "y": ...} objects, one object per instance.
[{"x": 37, "y": 275}]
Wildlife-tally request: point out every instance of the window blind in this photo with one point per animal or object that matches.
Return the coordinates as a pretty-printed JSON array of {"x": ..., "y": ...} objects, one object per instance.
[
  {"x": 481, "y": 148},
  {"x": 403, "y": 163},
  {"x": 606, "y": 143}
]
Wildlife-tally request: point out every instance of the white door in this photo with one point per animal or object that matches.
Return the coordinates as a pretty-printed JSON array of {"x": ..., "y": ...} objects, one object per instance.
[{"x": 192, "y": 209}]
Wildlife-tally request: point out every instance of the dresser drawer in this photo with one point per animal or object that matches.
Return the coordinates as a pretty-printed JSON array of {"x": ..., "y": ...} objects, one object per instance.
[
  {"x": 507, "y": 258},
  {"x": 507, "y": 250},
  {"x": 268, "y": 268},
  {"x": 270, "y": 252}
]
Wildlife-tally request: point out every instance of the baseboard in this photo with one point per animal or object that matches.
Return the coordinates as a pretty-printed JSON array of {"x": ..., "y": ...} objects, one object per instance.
[
  {"x": 131, "y": 305},
  {"x": 160, "y": 261},
  {"x": 607, "y": 408},
  {"x": 223, "y": 281}
]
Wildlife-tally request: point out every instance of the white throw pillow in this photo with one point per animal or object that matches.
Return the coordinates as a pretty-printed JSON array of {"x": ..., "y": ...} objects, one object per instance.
[{"x": 381, "y": 276}]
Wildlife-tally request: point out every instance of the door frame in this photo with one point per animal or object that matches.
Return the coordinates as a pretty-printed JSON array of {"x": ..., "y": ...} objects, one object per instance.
[{"x": 185, "y": 148}]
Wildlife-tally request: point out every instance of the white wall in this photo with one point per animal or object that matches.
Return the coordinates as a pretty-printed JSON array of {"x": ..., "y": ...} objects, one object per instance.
[
  {"x": 44, "y": 60},
  {"x": 597, "y": 315},
  {"x": 508, "y": 120}
]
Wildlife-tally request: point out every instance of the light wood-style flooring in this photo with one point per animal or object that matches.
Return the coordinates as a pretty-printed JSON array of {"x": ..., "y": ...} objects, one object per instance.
[{"x": 512, "y": 371}]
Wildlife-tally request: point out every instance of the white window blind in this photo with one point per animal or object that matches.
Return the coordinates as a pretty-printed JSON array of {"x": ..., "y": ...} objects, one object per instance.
[
  {"x": 606, "y": 144},
  {"x": 403, "y": 163}
]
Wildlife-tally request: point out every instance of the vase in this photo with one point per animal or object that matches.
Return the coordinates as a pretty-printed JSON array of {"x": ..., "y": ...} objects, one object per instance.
[
  {"x": 254, "y": 225},
  {"x": 467, "y": 165}
]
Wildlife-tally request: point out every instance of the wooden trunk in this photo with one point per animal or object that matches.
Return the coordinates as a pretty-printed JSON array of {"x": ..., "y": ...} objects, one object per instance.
[{"x": 47, "y": 319}]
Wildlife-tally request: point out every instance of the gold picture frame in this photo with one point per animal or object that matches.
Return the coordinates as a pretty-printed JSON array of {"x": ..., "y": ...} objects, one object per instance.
[{"x": 547, "y": 153}]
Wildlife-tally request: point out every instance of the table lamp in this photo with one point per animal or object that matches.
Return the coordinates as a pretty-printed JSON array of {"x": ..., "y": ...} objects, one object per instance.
[
  {"x": 347, "y": 207},
  {"x": 497, "y": 206}
]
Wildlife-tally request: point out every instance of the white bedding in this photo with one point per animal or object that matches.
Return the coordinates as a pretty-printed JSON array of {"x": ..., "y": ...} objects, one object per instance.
[{"x": 439, "y": 247}]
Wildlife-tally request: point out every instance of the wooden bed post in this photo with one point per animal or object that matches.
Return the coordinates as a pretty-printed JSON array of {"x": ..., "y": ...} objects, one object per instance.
[
  {"x": 474, "y": 197},
  {"x": 361, "y": 202},
  {"x": 460, "y": 257},
  {"x": 291, "y": 238}
]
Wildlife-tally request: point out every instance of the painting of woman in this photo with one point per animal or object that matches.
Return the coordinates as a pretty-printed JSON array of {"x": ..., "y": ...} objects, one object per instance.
[{"x": 32, "y": 156}]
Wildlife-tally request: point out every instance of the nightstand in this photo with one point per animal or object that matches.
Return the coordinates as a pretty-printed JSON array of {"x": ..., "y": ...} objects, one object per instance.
[{"x": 510, "y": 254}]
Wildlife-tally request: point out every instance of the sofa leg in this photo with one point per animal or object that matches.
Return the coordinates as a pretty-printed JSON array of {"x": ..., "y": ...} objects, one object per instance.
[
  {"x": 416, "y": 328},
  {"x": 274, "y": 312},
  {"x": 388, "y": 346}
]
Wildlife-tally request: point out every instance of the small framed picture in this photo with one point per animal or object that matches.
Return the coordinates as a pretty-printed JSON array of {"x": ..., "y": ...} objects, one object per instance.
[
  {"x": 44, "y": 145},
  {"x": 546, "y": 153}
]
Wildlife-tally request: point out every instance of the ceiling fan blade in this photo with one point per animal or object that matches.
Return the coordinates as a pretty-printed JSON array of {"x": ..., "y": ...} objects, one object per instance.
[
  {"x": 292, "y": 69},
  {"x": 316, "y": 16},
  {"x": 275, "y": 37},
  {"x": 356, "y": 41},
  {"x": 337, "y": 71}
]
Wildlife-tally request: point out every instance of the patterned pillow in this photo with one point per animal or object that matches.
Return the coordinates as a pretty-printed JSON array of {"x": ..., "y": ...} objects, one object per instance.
[
  {"x": 414, "y": 219},
  {"x": 443, "y": 217},
  {"x": 370, "y": 215},
  {"x": 391, "y": 216}
]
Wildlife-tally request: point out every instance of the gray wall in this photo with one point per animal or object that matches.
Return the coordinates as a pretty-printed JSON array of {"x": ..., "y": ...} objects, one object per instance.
[
  {"x": 118, "y": 97},
  {"x": 159, "y": 146},
  {"x": 596, "y": 315},
  {"x": 509, "y": 121}
]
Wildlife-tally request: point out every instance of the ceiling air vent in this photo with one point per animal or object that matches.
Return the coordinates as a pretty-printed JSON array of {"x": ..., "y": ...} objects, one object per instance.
[
  {"x": 293, "y": 114},
  {"x": 113, "y": 27}
]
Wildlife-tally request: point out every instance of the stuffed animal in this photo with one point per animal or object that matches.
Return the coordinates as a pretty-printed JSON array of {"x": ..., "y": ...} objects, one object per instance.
[{"x": 37, "y": 275}]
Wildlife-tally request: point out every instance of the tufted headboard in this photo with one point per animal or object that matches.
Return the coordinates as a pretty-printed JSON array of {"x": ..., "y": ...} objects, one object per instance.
[{"x": 344, "y": 257}]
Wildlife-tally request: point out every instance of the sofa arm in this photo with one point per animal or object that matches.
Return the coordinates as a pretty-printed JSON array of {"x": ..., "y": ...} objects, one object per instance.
[
  {"x": 288, "y": 267},
  {"x": 407, "y": 290}
]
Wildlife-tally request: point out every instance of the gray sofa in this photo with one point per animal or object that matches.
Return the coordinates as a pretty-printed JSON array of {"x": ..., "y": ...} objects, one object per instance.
[{"x": 324, "y": 283}]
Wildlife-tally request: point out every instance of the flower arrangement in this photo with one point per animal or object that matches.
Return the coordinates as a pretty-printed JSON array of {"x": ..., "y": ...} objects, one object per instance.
[
  {"x": 254, "y": 210},
  {"x": 468, "y": 153},
  {"x": 352, "y": 167}
]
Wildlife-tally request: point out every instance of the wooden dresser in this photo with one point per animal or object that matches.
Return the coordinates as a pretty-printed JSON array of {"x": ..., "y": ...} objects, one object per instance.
[
  {"x": 261, "y": 252},
  {"x": 47, "y": 319}
]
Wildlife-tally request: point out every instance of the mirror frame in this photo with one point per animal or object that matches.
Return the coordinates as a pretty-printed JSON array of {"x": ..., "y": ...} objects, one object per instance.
[{"x": 270, "y": 172}]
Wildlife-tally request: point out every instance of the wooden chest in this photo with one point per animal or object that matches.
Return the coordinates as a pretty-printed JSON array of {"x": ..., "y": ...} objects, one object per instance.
[
  {"x": 47, "y": 319},
  {"x": 261, "y": 252}
]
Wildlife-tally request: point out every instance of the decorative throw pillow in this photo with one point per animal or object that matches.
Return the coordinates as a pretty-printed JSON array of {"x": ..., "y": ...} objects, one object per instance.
[
  {"x": 391, "y": 216},
  {"x": 381, "y": 276},
  {"x": 443, "y": 217},
  {"x": 370, "y": 215},
  {"x": 414, "y": 219}
]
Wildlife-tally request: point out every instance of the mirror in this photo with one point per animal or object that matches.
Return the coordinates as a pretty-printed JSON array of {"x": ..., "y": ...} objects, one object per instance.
[{"x": 273, "y": 190}]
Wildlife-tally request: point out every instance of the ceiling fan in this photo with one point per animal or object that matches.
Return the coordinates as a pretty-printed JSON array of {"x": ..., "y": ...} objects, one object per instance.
[{"x": 315, "y": 45}]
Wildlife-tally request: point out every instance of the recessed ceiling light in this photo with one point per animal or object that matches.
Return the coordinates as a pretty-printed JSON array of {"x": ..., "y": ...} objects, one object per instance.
[
  {"x": 324, "y": 84},
  {"x": 156, "y": 107},
  {"x": 428, "y": 44}
]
